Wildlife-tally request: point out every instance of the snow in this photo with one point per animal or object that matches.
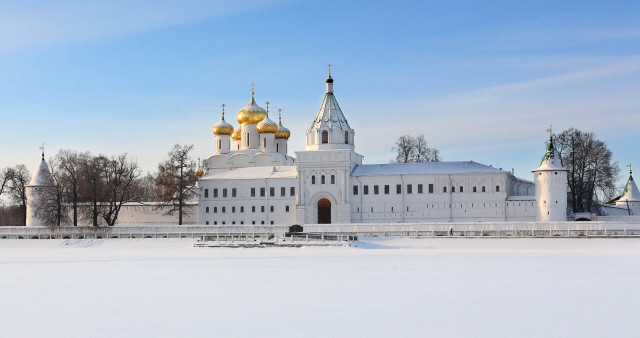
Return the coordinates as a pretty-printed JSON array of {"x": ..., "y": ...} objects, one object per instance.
[
  {"x": 458, "y": 167},
  {"x": 382, "y": 287},
  {"x": 252, "y": 173}
]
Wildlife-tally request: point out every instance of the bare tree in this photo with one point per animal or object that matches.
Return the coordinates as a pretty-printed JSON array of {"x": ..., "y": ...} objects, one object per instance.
[
  {"x": 404, "y": 148},
  {"x": 414, "y": 149},
  {"x": 93, "y": 189},
  {"x": 177, "y": 179},
  {"x": 592, "y": 171},
  {"x": 147, "y": 188},
  {"x": 5, "y": 179},
  {"x": 19, "y": 180},
  {"x": 69, "y": 165},
  {"x": 422, "y": 151},
  {"x": 120, "y": 174}
]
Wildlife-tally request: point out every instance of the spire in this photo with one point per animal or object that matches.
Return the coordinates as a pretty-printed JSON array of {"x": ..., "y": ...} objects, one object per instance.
[
  {"x": 630, "y": 192},
  {"x": 280, "y": 117},
  {"x": 42, "y": 148},
  {"x": 223, "y": 112},
  {"x": 329, "y": 80},
  {"x": 268, "y": 103},
  {"x": 551, "y": 159}
]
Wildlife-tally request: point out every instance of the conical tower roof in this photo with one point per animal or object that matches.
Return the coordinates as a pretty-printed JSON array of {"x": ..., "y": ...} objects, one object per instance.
[
  {"x": 42, "y": 177},
  {"x": 330, "y": 115},
  {"x": 551, "y": 159},
  {"x": 630, "y": 192}
]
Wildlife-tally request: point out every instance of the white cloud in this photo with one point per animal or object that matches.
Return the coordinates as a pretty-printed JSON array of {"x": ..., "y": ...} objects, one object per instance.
[{"x": 35, "y": 24}]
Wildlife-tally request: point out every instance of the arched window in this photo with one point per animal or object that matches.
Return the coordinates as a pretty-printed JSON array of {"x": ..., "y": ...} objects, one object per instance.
[
  {"x": 277, "y": 148},
  {"x": 313, "y": 179},
  {"x": 219, "y": 144},
  {"x": 247, "y": 139},
  {"x": 475, "y": 189},
  {"x": 264, "y": 142},
  {"x": 346, "y": 137},
  {"x": 333, "y": 179},
  {"x": 444, "y": 189},
  {"x": 484, "y": 189},
  {"x": 207, "y": 209},
  {"x": 325, "y": 136},
  {"x": 322, "y": 179}
]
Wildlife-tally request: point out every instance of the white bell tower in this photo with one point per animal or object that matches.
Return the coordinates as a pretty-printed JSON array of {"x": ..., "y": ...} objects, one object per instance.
[{"x": 41, "y": 180}]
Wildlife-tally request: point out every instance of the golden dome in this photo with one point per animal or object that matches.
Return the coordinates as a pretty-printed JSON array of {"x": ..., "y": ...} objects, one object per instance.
[
  {"x": 251, "y": 113},
  {"x": 267, "y": 126},
  {"x": 282, "y": 132},
  {"x": 237, "y": 134},
  {"x": 222, "y": 127},
  {"x": 199, "y": 173}
]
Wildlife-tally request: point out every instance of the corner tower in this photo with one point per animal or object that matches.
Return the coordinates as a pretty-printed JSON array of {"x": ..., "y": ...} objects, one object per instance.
[
  {"x": 630, "y": 197},
  {"x": 551, "y": 187},
  {"x": 35, "y": 191},
  {"x": 330, "y": 129}
]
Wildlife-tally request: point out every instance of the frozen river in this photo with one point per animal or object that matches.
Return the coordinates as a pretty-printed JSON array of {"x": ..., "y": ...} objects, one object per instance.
[{"x": 384, "y": 287}]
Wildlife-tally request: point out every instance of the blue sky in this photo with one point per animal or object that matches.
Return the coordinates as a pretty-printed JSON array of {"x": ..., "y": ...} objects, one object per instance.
[{"x": 482, "y": 80}]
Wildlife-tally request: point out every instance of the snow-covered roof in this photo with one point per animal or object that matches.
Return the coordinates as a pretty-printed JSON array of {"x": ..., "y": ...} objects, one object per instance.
[
  {"x": 42, "y": 176},
  {"x": 630, "y": 192},
  {"x": 251, "y": 153},
  {"x": 330, "y": 115},
  {"x": 253, "y": 173},
  {"x": 551, "y": 159},
  {"x": 461, "y": 167}
]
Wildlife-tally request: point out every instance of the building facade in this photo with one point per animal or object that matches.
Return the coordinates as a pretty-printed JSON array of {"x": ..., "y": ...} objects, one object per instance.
[{"x": 255, "y": 181}]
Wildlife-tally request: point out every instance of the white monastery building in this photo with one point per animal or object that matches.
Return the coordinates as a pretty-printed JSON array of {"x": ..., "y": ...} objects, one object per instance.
[{"x": 251, "y": 179}]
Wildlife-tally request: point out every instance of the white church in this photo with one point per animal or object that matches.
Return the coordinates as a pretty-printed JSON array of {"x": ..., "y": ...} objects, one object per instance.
[{"x": 251, "y": 179}]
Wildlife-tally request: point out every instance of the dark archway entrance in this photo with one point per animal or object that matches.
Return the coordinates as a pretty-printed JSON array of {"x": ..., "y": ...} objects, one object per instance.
[{"x": 324, "y": 211}]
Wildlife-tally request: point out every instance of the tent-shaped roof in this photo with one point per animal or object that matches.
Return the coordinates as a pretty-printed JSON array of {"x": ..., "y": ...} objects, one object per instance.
[
  {"x": 551, "y": 159},
  {"x": 630, "y": 192},
  {"x": 42, "y": 176}
]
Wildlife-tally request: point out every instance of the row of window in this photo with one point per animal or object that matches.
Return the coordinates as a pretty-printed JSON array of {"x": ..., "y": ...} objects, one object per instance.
[
  {"x": 376, "y": 189},
  {"x": 234, "y": 192},
  {"x": 449, "y": 205},
  {"x": 325, "y": 137},
  {"x": 234, "y": 222},
  {"x": 253, "y": 209},
  {"x": 323, "y": 179}
]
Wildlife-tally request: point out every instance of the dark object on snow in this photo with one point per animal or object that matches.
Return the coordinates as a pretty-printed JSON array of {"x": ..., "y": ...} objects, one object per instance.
[{"x": 451, "y": 232}]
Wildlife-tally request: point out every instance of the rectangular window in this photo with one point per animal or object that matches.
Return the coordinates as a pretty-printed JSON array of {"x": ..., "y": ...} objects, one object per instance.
[
  {"x": 453, "y": 189},
  {"x": 234, "y": 192},
  {"x": 283, "y": 191},
  {"x": 206, "y": 193},
  {"x": 375, "y": 190},
  {"x": 398, "y": 188},
  {"x": 262, "y": 192},
  {"x": 253, "y": 192},
  {"x": 272, "y": 191},
  {"x": 253, "y": 222},
  {"x": 420, "y": 189},
  {"x": 241, "y": 209},
  {"x": 262, "y": 208},
  {"x": 253, "y": 208},
  {"x": 233, "y": 209},
  {"x": 461, "y": 189},
  {"x": 292, "y": 191},
  {"x": 355, "y": 189},
  {"x": 484, "y": 189},
  {"x": 286, "y": 208},
  {"x": 215, "y": 193},
  {"x": 215, "y": 209},
  {"x": 224, "y": 192},
  {"x": 497, "y": 188},
  {"x": 386, "y": 189},
  {"x": 430, "y": 188},
  {"x": 271, "y": 208},
  {"x": 224, "y": 209},
  {"x": 409, "y": 189},
  {"x": 365, "y": 190}
]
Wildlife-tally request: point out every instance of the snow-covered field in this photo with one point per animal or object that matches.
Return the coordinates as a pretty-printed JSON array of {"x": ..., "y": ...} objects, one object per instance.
[{"x": 384, "y": 287}]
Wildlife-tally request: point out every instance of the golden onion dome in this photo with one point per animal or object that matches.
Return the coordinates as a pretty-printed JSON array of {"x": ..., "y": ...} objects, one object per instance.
[
  {"x": 222, "y": 127},
  {"x": 237, "y": 134},
  {"x": 251, "y": 113},
  {"x": 282, "y": 132},
  {"x": 267, "y": 126}
]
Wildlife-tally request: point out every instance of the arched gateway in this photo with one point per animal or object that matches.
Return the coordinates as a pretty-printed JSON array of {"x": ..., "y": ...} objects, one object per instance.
[{"x": 324, "y": 211}]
